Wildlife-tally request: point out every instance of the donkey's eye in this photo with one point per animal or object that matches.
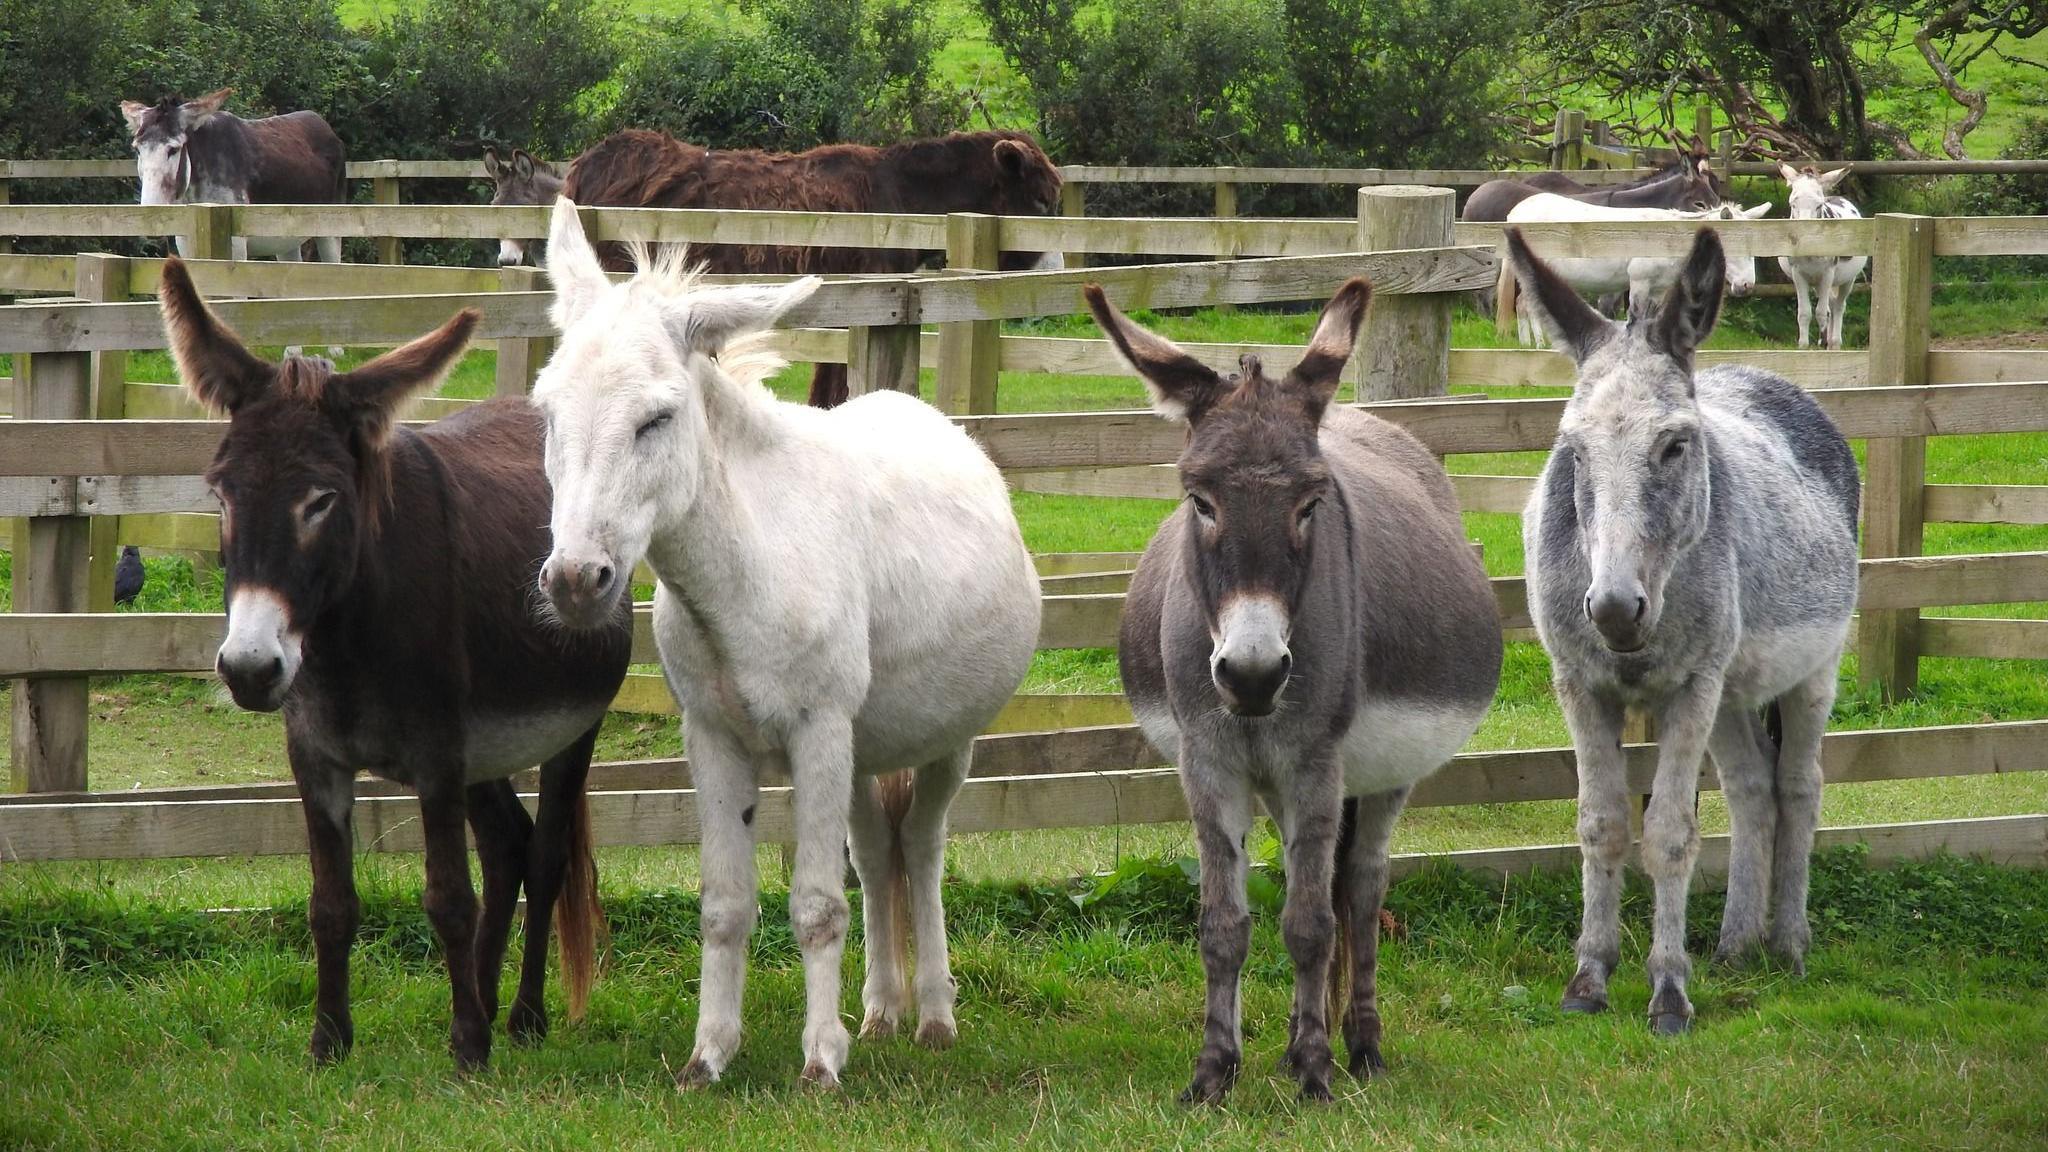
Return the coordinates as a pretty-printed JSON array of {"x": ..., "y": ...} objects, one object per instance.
[
  {"x": 1673, "y": 451},
  {"x": 1203, "y": 508},
  {"x": 660, "y": 420},
  {"x": 317, "y": 507},
  {"x": 1307, "y": 510}
]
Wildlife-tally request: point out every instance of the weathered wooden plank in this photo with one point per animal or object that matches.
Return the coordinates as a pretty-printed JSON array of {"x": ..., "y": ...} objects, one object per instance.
[
  {"x": 1984, "y": 365},
  {"x": 1186, "y": 236},
  {"x": 1143, "y": 482},
  {"x": 1985, "y": 504},
  {"x": 282, "y": 278},
  {"x": 51, "y": 570},
  {"x": 1674, "y": 237},
  {"x": 1542, "y": 367},
  {"x": 99, "y": 219},
  {"x": 35, "y": 274},
  {"x": 665, "y": 225},
  {"x": 1061, "y": 563},
  {"x": 1991, "y": 236},
  {"x": 968, "y": 356},
  {"x": 1982, "y": 639}
]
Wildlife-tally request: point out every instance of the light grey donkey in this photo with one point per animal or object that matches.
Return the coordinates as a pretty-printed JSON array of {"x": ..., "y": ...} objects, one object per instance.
[
  {"x": 1692, "y": 552},
  {"x": 1309, "y": 628}
]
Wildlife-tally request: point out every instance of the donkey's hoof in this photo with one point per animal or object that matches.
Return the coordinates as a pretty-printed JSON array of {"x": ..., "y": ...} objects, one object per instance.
[
  {"x": 877, "y": 1026},
  {"x": 1582, "y": 1005},
  {"x": 696, "y": 1074},
  {"x": 526, "y": 1024},
  {"x": 818, "y": 1078},
  {"x": 1213, "y": 1079},
  {"x": 329, "y": 1047},
  {"x": 1670, "y": 1023},
  {"x": 1366, "y": 1062},
  {"x": 1316, "y": 1090},
  {"x": 937, "y": 1035}
]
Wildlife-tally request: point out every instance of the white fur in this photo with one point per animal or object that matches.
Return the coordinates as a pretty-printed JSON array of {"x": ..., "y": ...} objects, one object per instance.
[
  {"x": 1642, "y": 277},
  {"x": 846, "y": 592},
  {"x": 496, "y": 745},
  {"x": 1822, "y": 281},
  {"x": 1394, "y": 744},
  {"x": 259, "y": 631}
]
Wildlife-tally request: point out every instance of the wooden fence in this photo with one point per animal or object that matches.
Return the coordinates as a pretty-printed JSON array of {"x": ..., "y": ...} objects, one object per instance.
[{"x": 64, "y": 468}]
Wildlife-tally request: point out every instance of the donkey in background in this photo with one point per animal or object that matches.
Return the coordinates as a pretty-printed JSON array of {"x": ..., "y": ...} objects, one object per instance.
[
  {"x": 1310, "y": 628},
  {"x": 193, "y": 152},
  {"x": 379, "y": 593},
  {"x": 521, "y": 182},
  {"x": 1691, "y": 551},
  {"x": 1821, "y": 280}
]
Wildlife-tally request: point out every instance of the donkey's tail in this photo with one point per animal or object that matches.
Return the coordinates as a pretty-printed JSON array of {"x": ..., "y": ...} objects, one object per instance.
[
  {"x": 895, "y": 790},
  {"x": 1340, "y": 903},
  {"x": 579, "y": 921}
]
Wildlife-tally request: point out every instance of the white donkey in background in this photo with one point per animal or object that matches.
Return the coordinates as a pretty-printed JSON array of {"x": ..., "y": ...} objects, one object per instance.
[
  {"x": 1644, "y": 278},
  {"x": 1824, "y": 280}
]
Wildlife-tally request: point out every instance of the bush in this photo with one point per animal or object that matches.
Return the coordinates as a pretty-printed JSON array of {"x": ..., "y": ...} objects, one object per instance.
[
  {"x": 808, "y": 72},
  {"x": 2006, "y": 194}
]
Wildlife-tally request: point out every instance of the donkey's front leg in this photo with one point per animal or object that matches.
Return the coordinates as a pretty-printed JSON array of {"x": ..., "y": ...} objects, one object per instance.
[
  {"x": 728, "y": 788},
  {"x": 1595, "y": 724},
  {"x": 1365, "y": 889},
  {"x": 327, "y": 792},
  {"x": 1220, "y": 803},
  {"x": 1313, "y": 809},
  {"x": 1804, "y": 711},
  {"x": 1671, "y": 842},
  {"x": 452, "y": 907},
  {"x": 821, "y": 780}
]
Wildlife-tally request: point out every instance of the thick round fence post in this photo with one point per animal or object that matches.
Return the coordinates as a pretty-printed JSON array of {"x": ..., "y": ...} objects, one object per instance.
[
  {"x": 390, "y": 249},
  {"x": 1568, "y": 140},
  {"x": 213, "y": 232},
  {"x": 104, "y": 279},
  {"x": 1405, "y": 347},
  {"x": 881, "y": 359},
  {"x": 1895, "y": 470},
  {"x": 47, "y": 751},
  {"x": 969, "y": 350},
  {"x": 1074, "y": 206},
  {"x": 520, "y": 357},
  {"x": 1226, "y": 209}
]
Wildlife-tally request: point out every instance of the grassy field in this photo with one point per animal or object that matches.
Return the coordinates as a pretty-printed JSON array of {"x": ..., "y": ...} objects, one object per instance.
[{"x": 1920, "y": 1024}]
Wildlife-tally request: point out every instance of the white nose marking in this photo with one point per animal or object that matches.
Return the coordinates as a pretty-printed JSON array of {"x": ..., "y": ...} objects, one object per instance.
[
  {"x": 1253, "y": 633},
  {"x": 259, "y": 631}
]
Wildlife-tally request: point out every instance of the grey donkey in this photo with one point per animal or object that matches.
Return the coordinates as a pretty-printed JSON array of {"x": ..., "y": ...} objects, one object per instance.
[
  {"x": 1309, "y": 628},
  {"x": 1691, "y": 551}
]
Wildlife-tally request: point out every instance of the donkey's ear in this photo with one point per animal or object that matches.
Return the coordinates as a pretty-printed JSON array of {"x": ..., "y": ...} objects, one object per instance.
[
  {"x": 1329, "y": 349},
  {"x": 522, "y": 164},
  {"x": 198, "y": 111},
  {"x": 493, "y": 167},
  {"x": 572, "y": 267},
  {"x": 1687, "y": 315},
  {"x": 707, "y": 320},
  {"x": 217, "y": 369},
  {"x": 1575, "y": 327},
  {"x": 1787, "y": 173},
  {"x": 1757, "y": 213},
  {"x": 1182, "y": 387},
  {"x": 1832, "y": 177},
  {"x": 369, "y": 396},
  {"x": 1013, "y": 157},
  {"x": 133, "y": 111}
]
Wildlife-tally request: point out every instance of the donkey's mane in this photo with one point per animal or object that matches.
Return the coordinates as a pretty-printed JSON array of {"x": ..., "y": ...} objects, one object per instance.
[{"x": 666, "y": 270}]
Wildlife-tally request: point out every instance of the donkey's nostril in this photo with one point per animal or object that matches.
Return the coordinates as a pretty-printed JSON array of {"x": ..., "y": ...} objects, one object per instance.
[
  {"x": 1286, "y": 663},
  {"x": 1223, "y": 667},
  {"x": 1587, "y": 604},
  {"x": 604, "y": 577},
  {"x": 276, "y": 668},
  {"x": 1642, "y": 606}
]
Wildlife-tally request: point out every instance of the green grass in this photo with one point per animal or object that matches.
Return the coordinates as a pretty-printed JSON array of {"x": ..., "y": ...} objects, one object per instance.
[{"x": 1920, "y": 1024}]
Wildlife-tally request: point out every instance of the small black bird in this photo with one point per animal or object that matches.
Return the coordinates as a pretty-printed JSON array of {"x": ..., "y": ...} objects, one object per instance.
[{"x": 128, "y": 576}]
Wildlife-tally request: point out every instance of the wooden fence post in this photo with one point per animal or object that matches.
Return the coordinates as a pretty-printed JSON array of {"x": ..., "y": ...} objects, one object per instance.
[
  {"x": 104, "y": 279},
  {"x": 1568, "y": 140},
  {"x": 390, "y": 249},
  {"x": 1703, "y": 124},
  {"x": 213, "y": 232},
  {"x": 1406, "y": 342},
  {"x": 520, "y": 357},
  {"x": 6, "y": 242},
  {"x": 969, "y": 352},
  {"x": 1895, "y": 470},
  {"x": 1074, "y": 206},
  {"x": 881, "y": 358},
  {"x": 1226, "y": 209},
  {"x": 47, "y": 751}
]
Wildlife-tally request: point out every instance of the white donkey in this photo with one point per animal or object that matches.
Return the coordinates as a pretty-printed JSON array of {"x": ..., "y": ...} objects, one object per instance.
[
  {"x": 1644, "y": 278},
  {"x": 1821, "y": 280},
  {"x": 842, "y": 594}
]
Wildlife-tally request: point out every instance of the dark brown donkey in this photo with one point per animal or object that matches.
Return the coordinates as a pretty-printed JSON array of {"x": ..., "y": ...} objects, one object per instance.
[
  {"x": 1000, "y": 173},
  {"x": 379, "y": 591}
]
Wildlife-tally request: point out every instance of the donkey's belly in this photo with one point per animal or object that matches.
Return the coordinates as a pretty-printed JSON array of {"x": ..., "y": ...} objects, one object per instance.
[
  {"x": 497, "y": 745},
  {"x": 1394, "y": 743}
]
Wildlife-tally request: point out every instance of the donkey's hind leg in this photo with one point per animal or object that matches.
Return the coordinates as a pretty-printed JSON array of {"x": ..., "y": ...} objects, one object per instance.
[
  {"x": 923, "y": 838},
  {"x": 452, "y": 909},
  {"x": 1804, "y": 713},
  {"x": 554, "y": 849},
  {"x": 1746, "y": 761},
  {"x": 1362, "y": 886},
  {"x": 503, "y": 830},
  {"x": 877, "y": 860}
]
